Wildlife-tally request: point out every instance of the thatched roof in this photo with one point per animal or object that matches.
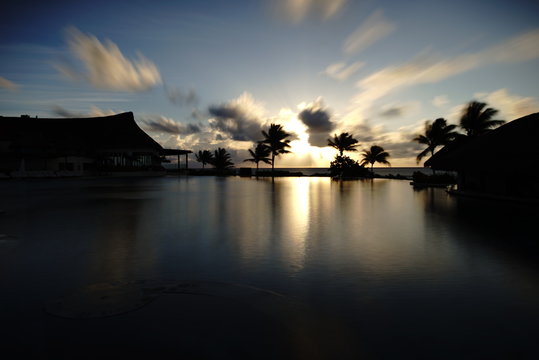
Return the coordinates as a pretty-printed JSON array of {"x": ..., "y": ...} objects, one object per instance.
[
  {"x": 514, "y": 145},
  {"x": 75, "y": 135}
]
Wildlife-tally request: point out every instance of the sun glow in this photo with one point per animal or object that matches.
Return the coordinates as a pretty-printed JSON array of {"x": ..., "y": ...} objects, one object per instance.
[{"x": 304, "y": 153}]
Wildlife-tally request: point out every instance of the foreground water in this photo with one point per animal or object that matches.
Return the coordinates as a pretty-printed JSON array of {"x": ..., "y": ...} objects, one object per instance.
[{"x": 400, "y": 273}]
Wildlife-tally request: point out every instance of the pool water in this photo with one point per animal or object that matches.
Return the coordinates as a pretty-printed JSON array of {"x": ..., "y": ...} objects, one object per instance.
[{"x": 403, "y": 272}]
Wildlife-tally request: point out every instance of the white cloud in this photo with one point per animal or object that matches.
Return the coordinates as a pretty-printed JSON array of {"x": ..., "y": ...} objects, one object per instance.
[
  {"x": 375, "y": 28},
  {"x": 440, "y": 101},
  {"x": 520, "y": 48},
  {"x": 421, "y": 70},
  {"x": 9, "y": 85},
  {"x": 428, "y": 68},
  {"x": 106, "y": 67},
  {"x": 297, "y": 10},
  {"x": 510, "y": 106},
  {"x": 341, "y": 71}
]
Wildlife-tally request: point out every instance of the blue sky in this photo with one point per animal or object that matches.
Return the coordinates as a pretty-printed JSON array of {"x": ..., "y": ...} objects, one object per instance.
[{"x": 203, "y": 74}]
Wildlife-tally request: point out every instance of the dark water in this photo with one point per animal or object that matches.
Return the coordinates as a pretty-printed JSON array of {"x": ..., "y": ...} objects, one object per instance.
[{"x": 402, "y": 273}]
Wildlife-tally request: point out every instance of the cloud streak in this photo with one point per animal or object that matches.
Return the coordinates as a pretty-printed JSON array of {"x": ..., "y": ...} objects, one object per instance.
[
  {"x": 60, "y": 111},
  {"x": 180, "y": 97},
  {"x": 297, "y": 10},
  {"x": 106, "y": 67},
  {"x": 428, "y": 68},
  {"x": 511, "y": 106},
  {"x": 9, "y": 85},
  {"x": 375, "y": 28},
  {"x": 162, "y": 124},
  {"x": 341, "y": 71}
]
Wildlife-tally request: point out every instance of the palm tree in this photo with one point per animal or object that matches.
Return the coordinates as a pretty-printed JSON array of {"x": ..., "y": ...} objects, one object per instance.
[
  {"x": 343, "y": 142},
  {"x": 204, "y": 157},
  {"x": 222, "y": 159},
  {"x": 277, "y": 142},
  {"x": 476, "y": 120},
  {"x": 261, "y": 153},
  {"x": 375, "y": 154},
  {"x": 436, "y": 134}
]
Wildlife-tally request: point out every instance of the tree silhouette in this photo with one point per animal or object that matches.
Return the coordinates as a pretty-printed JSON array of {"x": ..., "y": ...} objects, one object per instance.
[
  {"x": 221, "y": 159},
  {"x": 374, "y": 155},
  {"x": 343, "y": 142},
  {"x": 204, "y": 157},
  {"x": 277, "y": 142},
  {"x": 476, "y": 118},
  {"x": 261, "y": 153},
  {"x": 436, "y": 134}
]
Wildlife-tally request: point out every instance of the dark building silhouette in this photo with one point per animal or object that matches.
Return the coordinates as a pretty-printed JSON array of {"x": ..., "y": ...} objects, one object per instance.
[
  {"x": 69, "y": 146},
  {"x": 502, "y": 162}
]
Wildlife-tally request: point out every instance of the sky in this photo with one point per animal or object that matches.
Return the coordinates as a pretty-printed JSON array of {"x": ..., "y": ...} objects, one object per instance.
[{"x": 206, "y": 74}]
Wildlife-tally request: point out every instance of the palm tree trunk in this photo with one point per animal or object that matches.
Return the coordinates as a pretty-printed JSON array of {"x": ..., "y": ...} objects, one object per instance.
[
  {"x": 431, "y": 155},
  {"x": 272, "y": 163},
  {"x": 256, "y": 169}
]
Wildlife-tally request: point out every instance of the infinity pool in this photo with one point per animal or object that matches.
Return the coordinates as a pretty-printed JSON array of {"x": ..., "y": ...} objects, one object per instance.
[{"x": 398, "y": 272}]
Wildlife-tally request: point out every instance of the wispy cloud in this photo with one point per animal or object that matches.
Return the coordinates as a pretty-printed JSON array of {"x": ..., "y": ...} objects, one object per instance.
[
  {"x": 341, "y": 71},
  {"x": 106, "y": 67},
  {"x": 428, "y": 68},
  {"x": 9, "y": 85},
  {"x": 297, "y": 10},
  {"x": 181, "y": 97},
  {"x": 375, "y": 28},
  {"x": 94, "y": 111},
  {"x": 511, "y": 106},
  {"x": 393, "y": 112},
  {"x": 163, "y": 124},
  {"x": 440, "y": 100}
]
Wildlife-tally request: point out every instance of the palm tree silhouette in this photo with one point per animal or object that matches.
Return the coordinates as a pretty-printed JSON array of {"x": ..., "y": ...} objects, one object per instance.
[
  {"x": 221, "y": 159},
  {"x": 204, "y": 157},
  {"x": 343, "y": 142},
  {"x": 375, "y": 154},
  {"x": 436, "y": 134},
  {"x": 277, "y": 142},
  {"x": 476, "y": 118},
  {"x": 261, "y": 153}
]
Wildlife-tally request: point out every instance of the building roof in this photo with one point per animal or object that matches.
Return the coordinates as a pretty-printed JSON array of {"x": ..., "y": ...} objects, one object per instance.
[
  {"x": 75, "y": 135},
  {"x": 513, "y": 145}
]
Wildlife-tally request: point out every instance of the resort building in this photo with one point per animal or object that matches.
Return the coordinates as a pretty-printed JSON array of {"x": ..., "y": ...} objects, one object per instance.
[
  {"x": 78, "y": 146},
  {"x": 503, "y": 162}
]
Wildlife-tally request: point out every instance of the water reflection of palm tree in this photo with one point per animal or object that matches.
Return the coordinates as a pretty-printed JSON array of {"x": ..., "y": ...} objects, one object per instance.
[
  {"x": 343, "y": 142},
  {"x": 261, "y": 153},
  {"x": 277, "y": 142},
  {"x": 476, "y": 118},
  {"x": 436, "y": 134},
  {"x": 204, "y": 157},
  {"x": 373, "y": 155}
]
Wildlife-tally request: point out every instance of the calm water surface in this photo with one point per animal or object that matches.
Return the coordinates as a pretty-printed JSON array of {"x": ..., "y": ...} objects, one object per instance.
[{"x": 404, "y": 272}]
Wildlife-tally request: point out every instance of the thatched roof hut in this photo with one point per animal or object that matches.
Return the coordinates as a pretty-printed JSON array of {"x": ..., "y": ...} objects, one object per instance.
[
  {"x": 504, "y": 161},
  {"x": 77, "y": 144},
  {"x": 514, "y": 144}
]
